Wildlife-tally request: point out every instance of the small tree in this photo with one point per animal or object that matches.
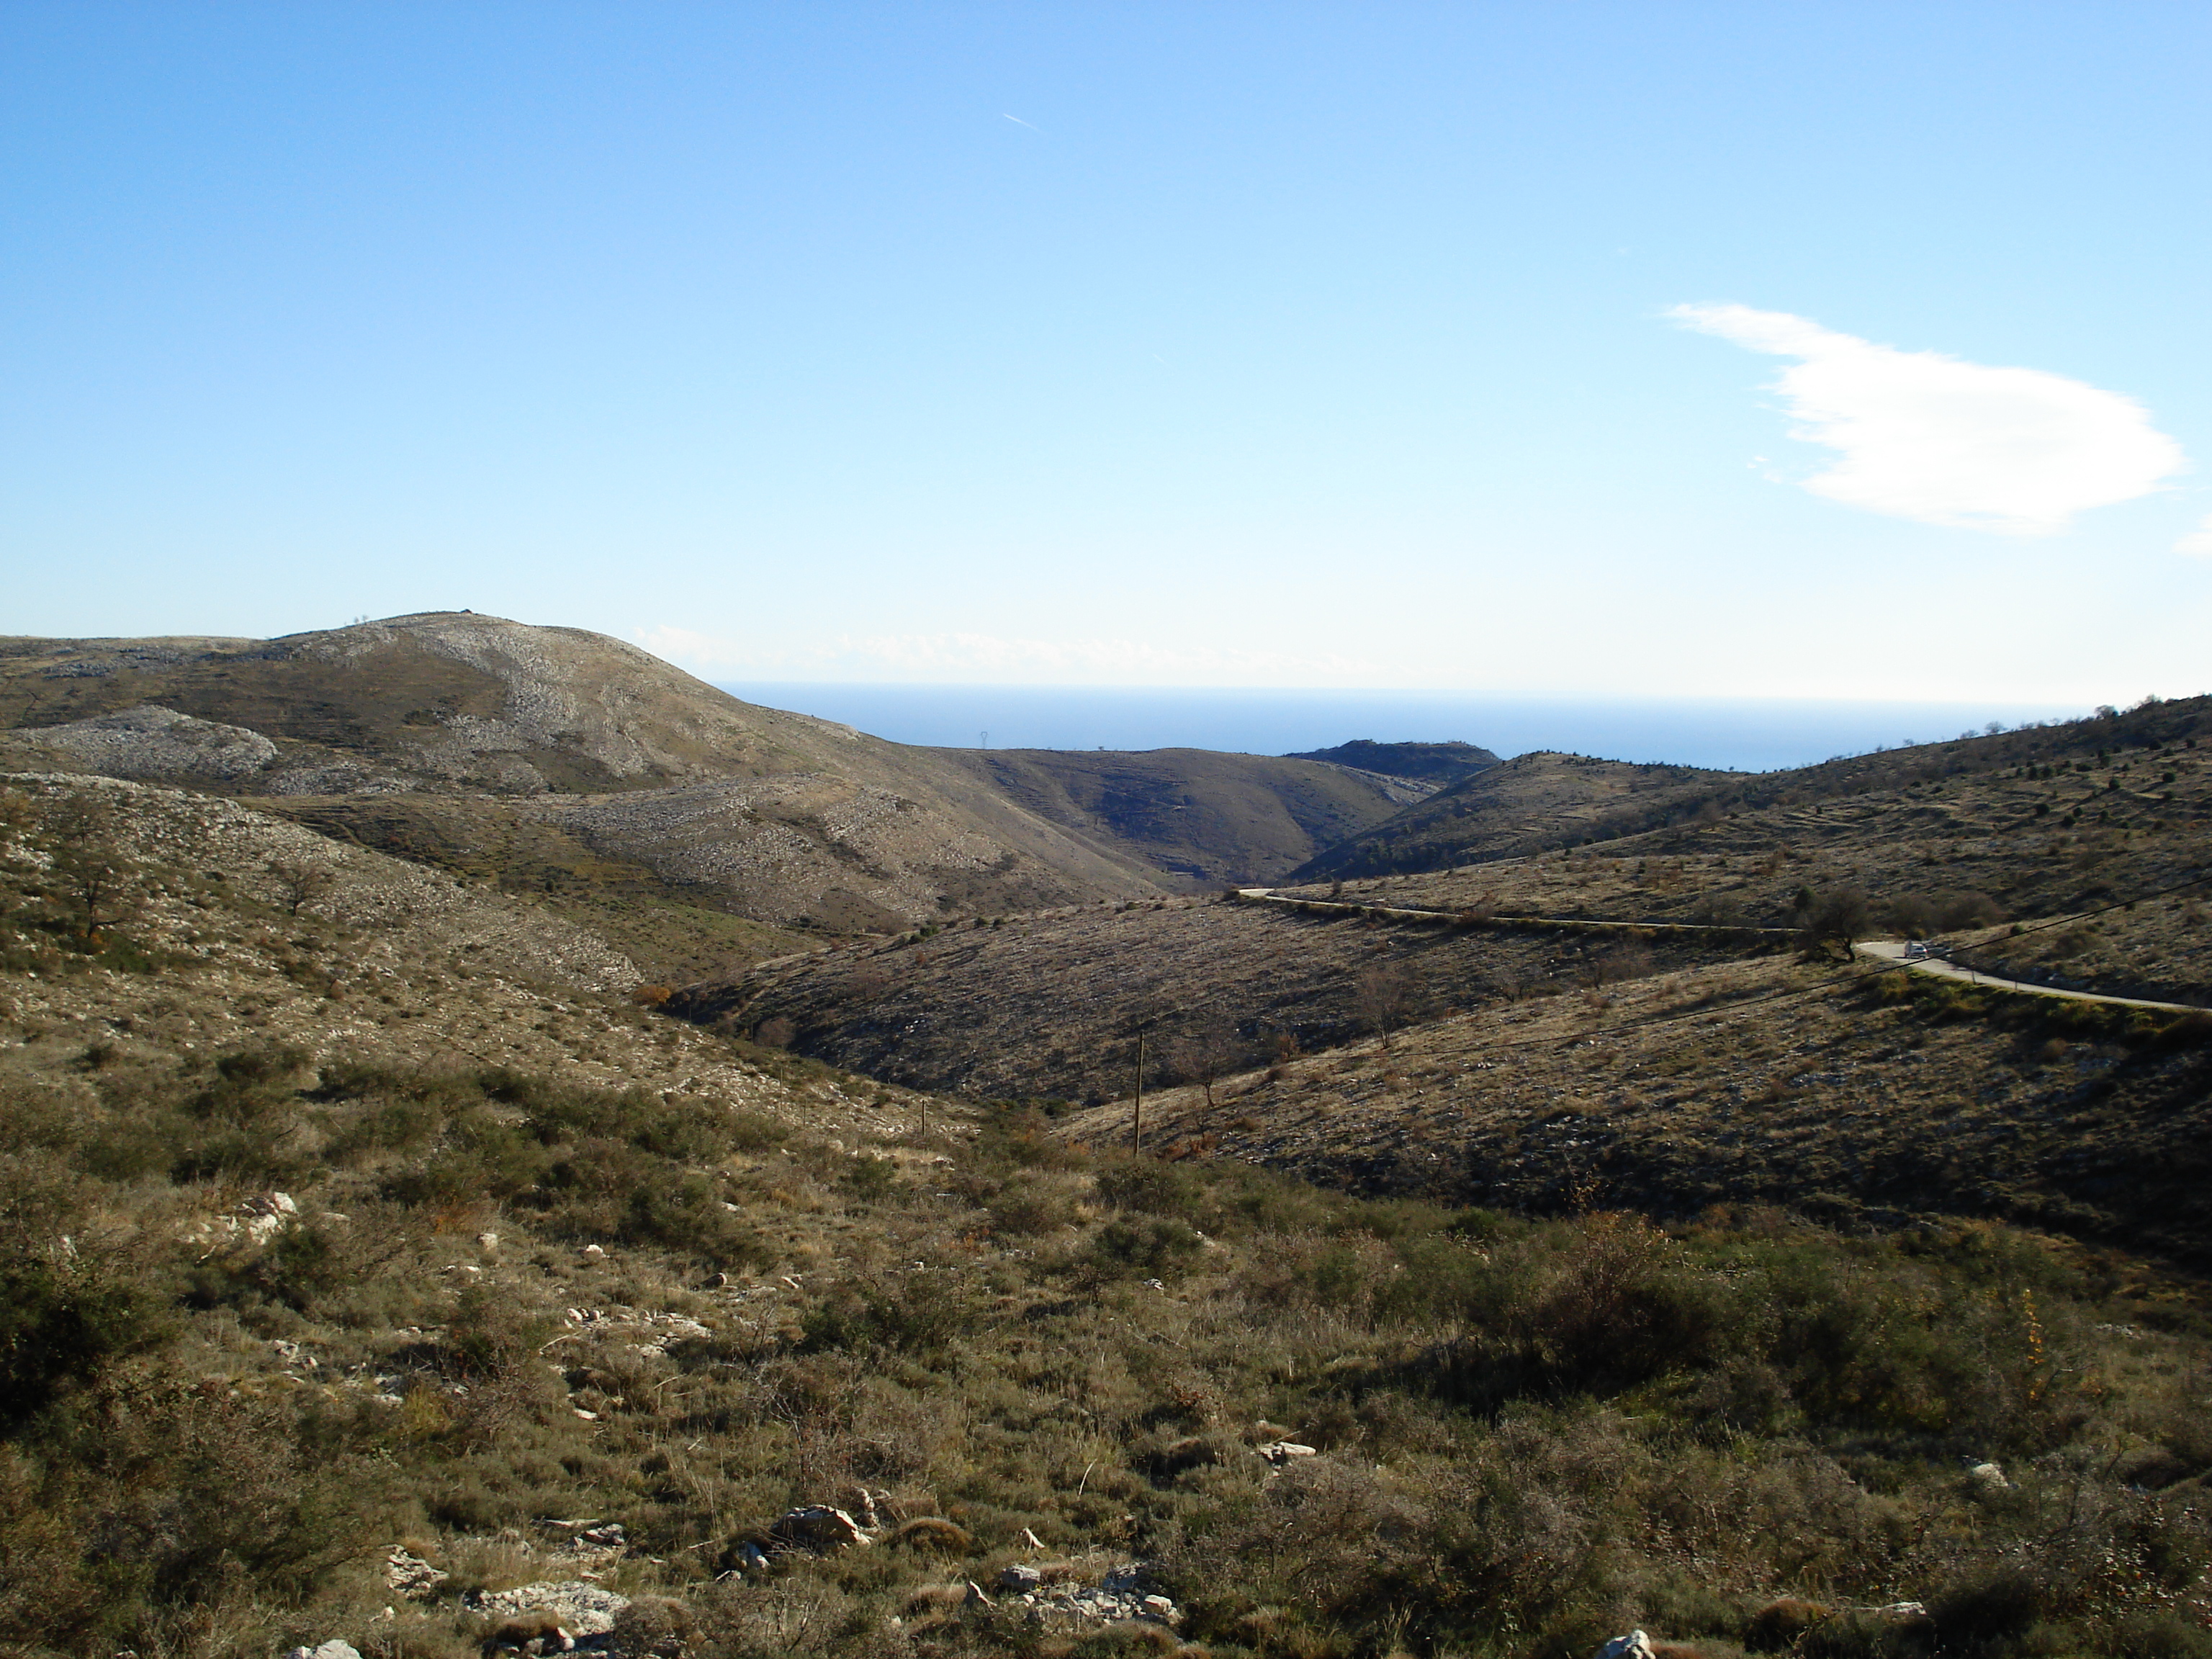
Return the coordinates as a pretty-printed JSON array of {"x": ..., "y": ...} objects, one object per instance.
[
  {"x": 1838, "y": 917},
  {"x": 91, "y": 869},
  {"x": 300, "y": 883},
  {"x": 97, "y": 880},
  {"x": 1384, "y": 995},
  {"x": 1203, "y": 1056}
]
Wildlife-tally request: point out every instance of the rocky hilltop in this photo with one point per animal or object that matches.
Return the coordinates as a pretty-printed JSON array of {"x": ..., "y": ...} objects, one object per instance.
[{"x": 456, "y": 739}]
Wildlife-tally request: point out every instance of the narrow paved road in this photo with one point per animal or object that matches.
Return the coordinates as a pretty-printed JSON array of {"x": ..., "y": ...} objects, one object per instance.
[
  {"x": 1587, "y": 924},
  {"x": 1893, "y": 950},
  {"x": 1883, "y": 949}
]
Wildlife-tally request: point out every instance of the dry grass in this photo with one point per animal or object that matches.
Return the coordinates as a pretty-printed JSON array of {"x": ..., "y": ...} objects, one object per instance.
[
  {"x": 1856, "y": 1095},
  {"x": 557, "y": 1258}
]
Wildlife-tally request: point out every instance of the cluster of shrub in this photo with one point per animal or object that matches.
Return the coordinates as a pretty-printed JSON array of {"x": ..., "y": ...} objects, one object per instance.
[{"x": 1532, "y": 1433}]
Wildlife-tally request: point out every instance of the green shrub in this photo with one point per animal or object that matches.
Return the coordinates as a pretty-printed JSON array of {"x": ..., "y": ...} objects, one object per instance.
[
  {"x": 1129, "y": 1248},
  {"x": 1149, "y": 1185},
  {"x": 919, "y": 1313},
  {"x": 61, "y": 1328}
]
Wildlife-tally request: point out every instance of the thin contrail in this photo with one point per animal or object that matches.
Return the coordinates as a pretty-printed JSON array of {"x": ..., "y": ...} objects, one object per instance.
[{"x": 1018, "y": 122}]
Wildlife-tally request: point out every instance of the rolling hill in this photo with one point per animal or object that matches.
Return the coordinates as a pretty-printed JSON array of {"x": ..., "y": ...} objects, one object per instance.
[
  {"x": 1545, "y": 801},
  {"x": 379, "y": 1261},
  {"x": 561, "y": 760}
]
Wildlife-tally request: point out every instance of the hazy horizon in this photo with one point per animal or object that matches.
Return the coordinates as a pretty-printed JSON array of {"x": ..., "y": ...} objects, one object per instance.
[{"x": 1745, "y": 734}]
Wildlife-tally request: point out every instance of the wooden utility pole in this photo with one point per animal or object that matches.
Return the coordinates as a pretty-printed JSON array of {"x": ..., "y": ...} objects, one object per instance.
[{"x": 1137, "y": 1119}]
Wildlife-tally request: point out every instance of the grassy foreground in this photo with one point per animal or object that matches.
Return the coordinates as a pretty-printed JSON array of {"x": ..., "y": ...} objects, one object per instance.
[
  {"x": 371, "y": 1258},
  {"x": 503, "y": 1300}
]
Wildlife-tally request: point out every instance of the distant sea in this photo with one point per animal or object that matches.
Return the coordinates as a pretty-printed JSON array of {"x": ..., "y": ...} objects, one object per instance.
[{"x": 1745, "y": 735}]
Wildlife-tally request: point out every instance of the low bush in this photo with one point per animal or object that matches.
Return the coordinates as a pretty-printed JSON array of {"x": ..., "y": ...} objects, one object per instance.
[{"x": 1531, "y": 1435}]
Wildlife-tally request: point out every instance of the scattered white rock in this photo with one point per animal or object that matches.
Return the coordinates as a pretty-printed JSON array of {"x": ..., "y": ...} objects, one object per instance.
[
  {"x": 1020, "y": 1577},
  {"x": 583, "y": 1608},
  {"x": 1989, "y": 1476},
  {"x": 1280, "y": 1452},
  {"x": 1634, "y": 1645},
  {"x": 332, "y": 1650},
  {"x": 1068, "y": 1604},
  {"x": 268, "y": 1215},
  {"x": 411, "y": 1575},
  {"x": 150, "y": 741}
]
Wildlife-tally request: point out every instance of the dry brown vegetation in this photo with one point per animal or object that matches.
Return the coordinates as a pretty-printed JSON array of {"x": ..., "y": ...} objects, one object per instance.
[
  {"x": 1861, "y": 1096},
  {"x": 1050, "y": 1005},
  {"x": 2010, "y": 815},
  {"x": 1706, "y": 1282},
  {"x": 596, "y": 1315}
]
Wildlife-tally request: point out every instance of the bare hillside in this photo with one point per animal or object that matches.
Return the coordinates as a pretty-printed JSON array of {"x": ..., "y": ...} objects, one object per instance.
[
  {"x": 1053, "y": 1004},
  {"x": 774, "y": 816},
  {"x": 1848, "y": 1093},
  {"x": 1208, "y": 818},
  {"x": 2098, "y": 828},
  {"x": 457, "y": 739},
  {"x": 2103, "y": 772}
]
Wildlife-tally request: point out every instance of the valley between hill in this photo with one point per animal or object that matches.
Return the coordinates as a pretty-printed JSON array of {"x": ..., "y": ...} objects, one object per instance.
[
  {"x": 696, "y": 1192},
  {"x": 380, "y": 1265}
]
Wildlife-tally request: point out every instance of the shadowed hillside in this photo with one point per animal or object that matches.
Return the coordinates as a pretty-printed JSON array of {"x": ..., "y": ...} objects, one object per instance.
[
  {"x": 1543, "y": 801},
  {"x": 1052, "y": 1003},
  {"x": 1432, "y": 763},
  {"x": 1206, "y": 817}
]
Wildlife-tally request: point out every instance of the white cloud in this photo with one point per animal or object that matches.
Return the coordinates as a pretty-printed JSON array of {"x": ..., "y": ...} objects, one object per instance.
[
  {"x": 1921, "y": 436},
  {"x": 958, "y": 657},
  {"x": 2198, "y": 541}
]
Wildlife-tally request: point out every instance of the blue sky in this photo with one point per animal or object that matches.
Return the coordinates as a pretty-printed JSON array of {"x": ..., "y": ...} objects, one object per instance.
[{"x": 1625, "y": 350}]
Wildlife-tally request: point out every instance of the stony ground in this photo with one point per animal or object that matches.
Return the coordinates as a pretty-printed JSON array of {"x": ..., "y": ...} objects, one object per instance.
[
  {"x": 384, "y": 963},
  {"x": 1052, "y": 1004},
  {"x": 376, "y": 1266},
  {"x": 1841, "y": 1091}
]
